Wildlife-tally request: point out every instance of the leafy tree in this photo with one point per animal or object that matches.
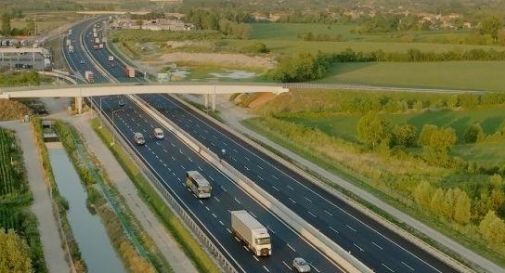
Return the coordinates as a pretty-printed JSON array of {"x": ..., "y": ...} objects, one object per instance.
[
  {"x": 436, "y": 143},
  {"x": 474, "y": 133},
  {"x": 491, "y": 26},
  {"x": 422, "y": 194},
  {"x": 447, "y": 208},
  {"x": 462, "y": 207},
  {"x": 405, "y": 135},
  {"x": 437, "y": 201},
  {"x": 492, "y": 228},
  {"x": 6, "y": 24},
  {"x": 14, "y": 253},
  {"x": 373, "y": 130},
  {"x": 301, "y": 67}
]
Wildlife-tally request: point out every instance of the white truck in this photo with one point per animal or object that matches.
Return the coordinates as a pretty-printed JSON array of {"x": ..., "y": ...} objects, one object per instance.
[
  {"x": 97, "y": 41},
  {"x": 70, "y": 49},
  {"x": 130, "y": 72},
  {"x": 251, "y": 232},
  {"x": 69, "y": 42},
  {"x": 89, "y": 76}
]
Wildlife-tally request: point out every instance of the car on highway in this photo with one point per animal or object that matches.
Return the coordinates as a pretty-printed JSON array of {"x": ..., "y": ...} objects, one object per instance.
[
  {"x": 158, "y": 133},
  {"x": 121, "y": 103},
  {"x": 82, "y": 62},
  {"x": 300, "y": 265},
  {"x": 139, "y": 138}
]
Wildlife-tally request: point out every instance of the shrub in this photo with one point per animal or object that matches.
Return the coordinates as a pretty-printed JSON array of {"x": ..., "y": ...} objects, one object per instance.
[{"x": 474, "y": 133}]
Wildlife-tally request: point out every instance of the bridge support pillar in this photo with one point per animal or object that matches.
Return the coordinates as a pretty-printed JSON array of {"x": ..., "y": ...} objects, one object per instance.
[
  {"x": 78, "y": 105},
  {"x": 206, "y": 100},
  {"x": 213, "y": 102}
]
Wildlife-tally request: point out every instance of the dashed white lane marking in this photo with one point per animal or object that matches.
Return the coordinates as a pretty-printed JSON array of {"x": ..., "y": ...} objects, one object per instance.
[
  {"x": 351, "y": 228},
  {"x": 313, "y": 215},
  {"x": 200, "y": 168},
  {"x": 378, "y": 246},
  {"x": 275, "y": 177},
  {"x": 388, "y": 268},
  {"x": 266, "y": 269},
  {"x": 214, "y": 215},
  {"x": 236, "y": 200},
  {"x": 207, "y": 208},
  {"x": 182, "y": 167},
  {"x": 334, "y": 230},
  {"x": 211, "y": 178},
  {"x": 408, "y": 266},
  {"x": 217, "y": 199},
  {"x": 316, "y": 269},
  {"x": 221, "y": 222},
  {"x": 358, "y": 247},
  {"x": 289, "y": 267},
  {"x": 229, "y": 231},
  {"x": 275, "y": 188},
  {"x": 224, "y": 189},
  {"x": 292, "y": 248},
  {"x": 327, "y": 212},
  {"x": 261, "y": 178},
  {"x": 308, "y": 199},
  {"x": 261, "y": 168},
  {"x": 256, "y": 258},
  {"x": 291, "y": 188},
  {"x": 294, "y": 202}
]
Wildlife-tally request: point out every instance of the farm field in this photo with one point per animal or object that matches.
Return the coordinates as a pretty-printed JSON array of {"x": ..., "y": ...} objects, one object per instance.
[
  {"x": 465, "y": 75},
  {"x": 12, "y": 184}
]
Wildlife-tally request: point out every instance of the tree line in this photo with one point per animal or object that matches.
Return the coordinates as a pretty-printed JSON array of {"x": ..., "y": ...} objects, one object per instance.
[
  {"x": 307, "y": 66},
  {"x": 229, "y": 22}
]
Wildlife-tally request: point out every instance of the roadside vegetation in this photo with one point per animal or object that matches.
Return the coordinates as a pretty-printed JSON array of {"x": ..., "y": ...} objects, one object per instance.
[
  {"x": 436, "y": 156},
  {"x": 173, "y": 224},
  {"x": 20, "y": 245},
  {"x": 136, "y": 249}
]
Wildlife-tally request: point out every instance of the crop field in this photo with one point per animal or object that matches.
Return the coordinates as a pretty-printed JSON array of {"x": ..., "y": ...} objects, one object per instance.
[
  {"x": 10, "y": 181},
  {"x": 466, "y": 75}
]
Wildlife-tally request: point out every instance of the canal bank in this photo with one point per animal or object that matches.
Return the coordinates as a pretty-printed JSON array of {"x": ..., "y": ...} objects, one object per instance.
[{"x": 89, "y": 232}]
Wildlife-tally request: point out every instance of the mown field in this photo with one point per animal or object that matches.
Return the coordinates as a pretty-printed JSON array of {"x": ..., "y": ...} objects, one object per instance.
[{"x": 465, "y": 75}]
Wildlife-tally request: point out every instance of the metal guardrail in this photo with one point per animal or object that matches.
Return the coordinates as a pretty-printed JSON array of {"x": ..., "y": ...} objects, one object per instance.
[{"x": 171, "y": 200}]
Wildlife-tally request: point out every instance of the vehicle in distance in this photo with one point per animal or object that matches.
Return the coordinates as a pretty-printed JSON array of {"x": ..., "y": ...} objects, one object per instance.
[
  {"x": 89, "y": 76},
  {"x": 251, "y": 232},
  {"x": 111, "y": 58},
  {"x": 158, "y": 133},
  {"x": 300, "y": 265},
  {"x": 82, "y": 61},
  {"x": 130, "y": 72},
  {"x": 121, "y": 102},
  {"x": 198, "y": 184},
  {"x": 139, "y": 138}
]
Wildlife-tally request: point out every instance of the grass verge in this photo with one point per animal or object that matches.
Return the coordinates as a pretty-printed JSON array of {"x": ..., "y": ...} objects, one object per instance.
[
  {"x": 444, "y": 227},
  {"x": 190, "y": 246}
]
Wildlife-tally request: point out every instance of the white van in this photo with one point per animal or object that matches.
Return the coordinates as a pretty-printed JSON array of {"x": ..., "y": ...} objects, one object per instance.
[{"x": 158, "y": 133}]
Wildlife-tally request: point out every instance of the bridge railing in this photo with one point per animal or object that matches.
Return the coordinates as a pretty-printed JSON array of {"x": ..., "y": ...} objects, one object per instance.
[{"x": 181, "y": 83}]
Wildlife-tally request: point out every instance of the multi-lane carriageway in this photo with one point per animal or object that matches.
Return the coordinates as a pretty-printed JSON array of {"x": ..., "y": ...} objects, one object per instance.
[
  {"x": 377, "y": 247},
  {"x": 169, "y": 159}
]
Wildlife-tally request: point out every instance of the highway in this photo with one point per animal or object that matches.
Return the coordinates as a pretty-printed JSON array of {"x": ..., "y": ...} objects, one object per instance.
[
  {"x": 377, "y": 247},
  {"x": 169, "y": 159}
]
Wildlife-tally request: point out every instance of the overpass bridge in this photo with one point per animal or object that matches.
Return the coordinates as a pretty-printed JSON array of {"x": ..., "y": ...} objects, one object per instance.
[{"x": 89, "y": 90}]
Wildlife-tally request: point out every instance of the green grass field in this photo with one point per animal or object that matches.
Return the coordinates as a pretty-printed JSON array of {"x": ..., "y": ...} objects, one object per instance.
[
  {"x": 476, "y": 75},
  {"x": 344, "y": 126}
]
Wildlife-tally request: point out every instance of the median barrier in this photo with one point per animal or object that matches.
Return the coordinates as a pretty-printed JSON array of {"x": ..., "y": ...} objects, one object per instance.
[{"x": 332, "y": 250}]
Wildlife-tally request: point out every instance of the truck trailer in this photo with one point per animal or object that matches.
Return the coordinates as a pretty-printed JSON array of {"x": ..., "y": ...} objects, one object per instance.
[
  {"x": 130, "y": 72},
  {"x": 89, "y": 76},
  {"x": 251, "y": 232}
]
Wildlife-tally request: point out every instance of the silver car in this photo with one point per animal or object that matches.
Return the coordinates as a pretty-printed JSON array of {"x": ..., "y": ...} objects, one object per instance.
[
  {"x": 300, "y": 265},
  {"x": 139, "y": 139}
]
